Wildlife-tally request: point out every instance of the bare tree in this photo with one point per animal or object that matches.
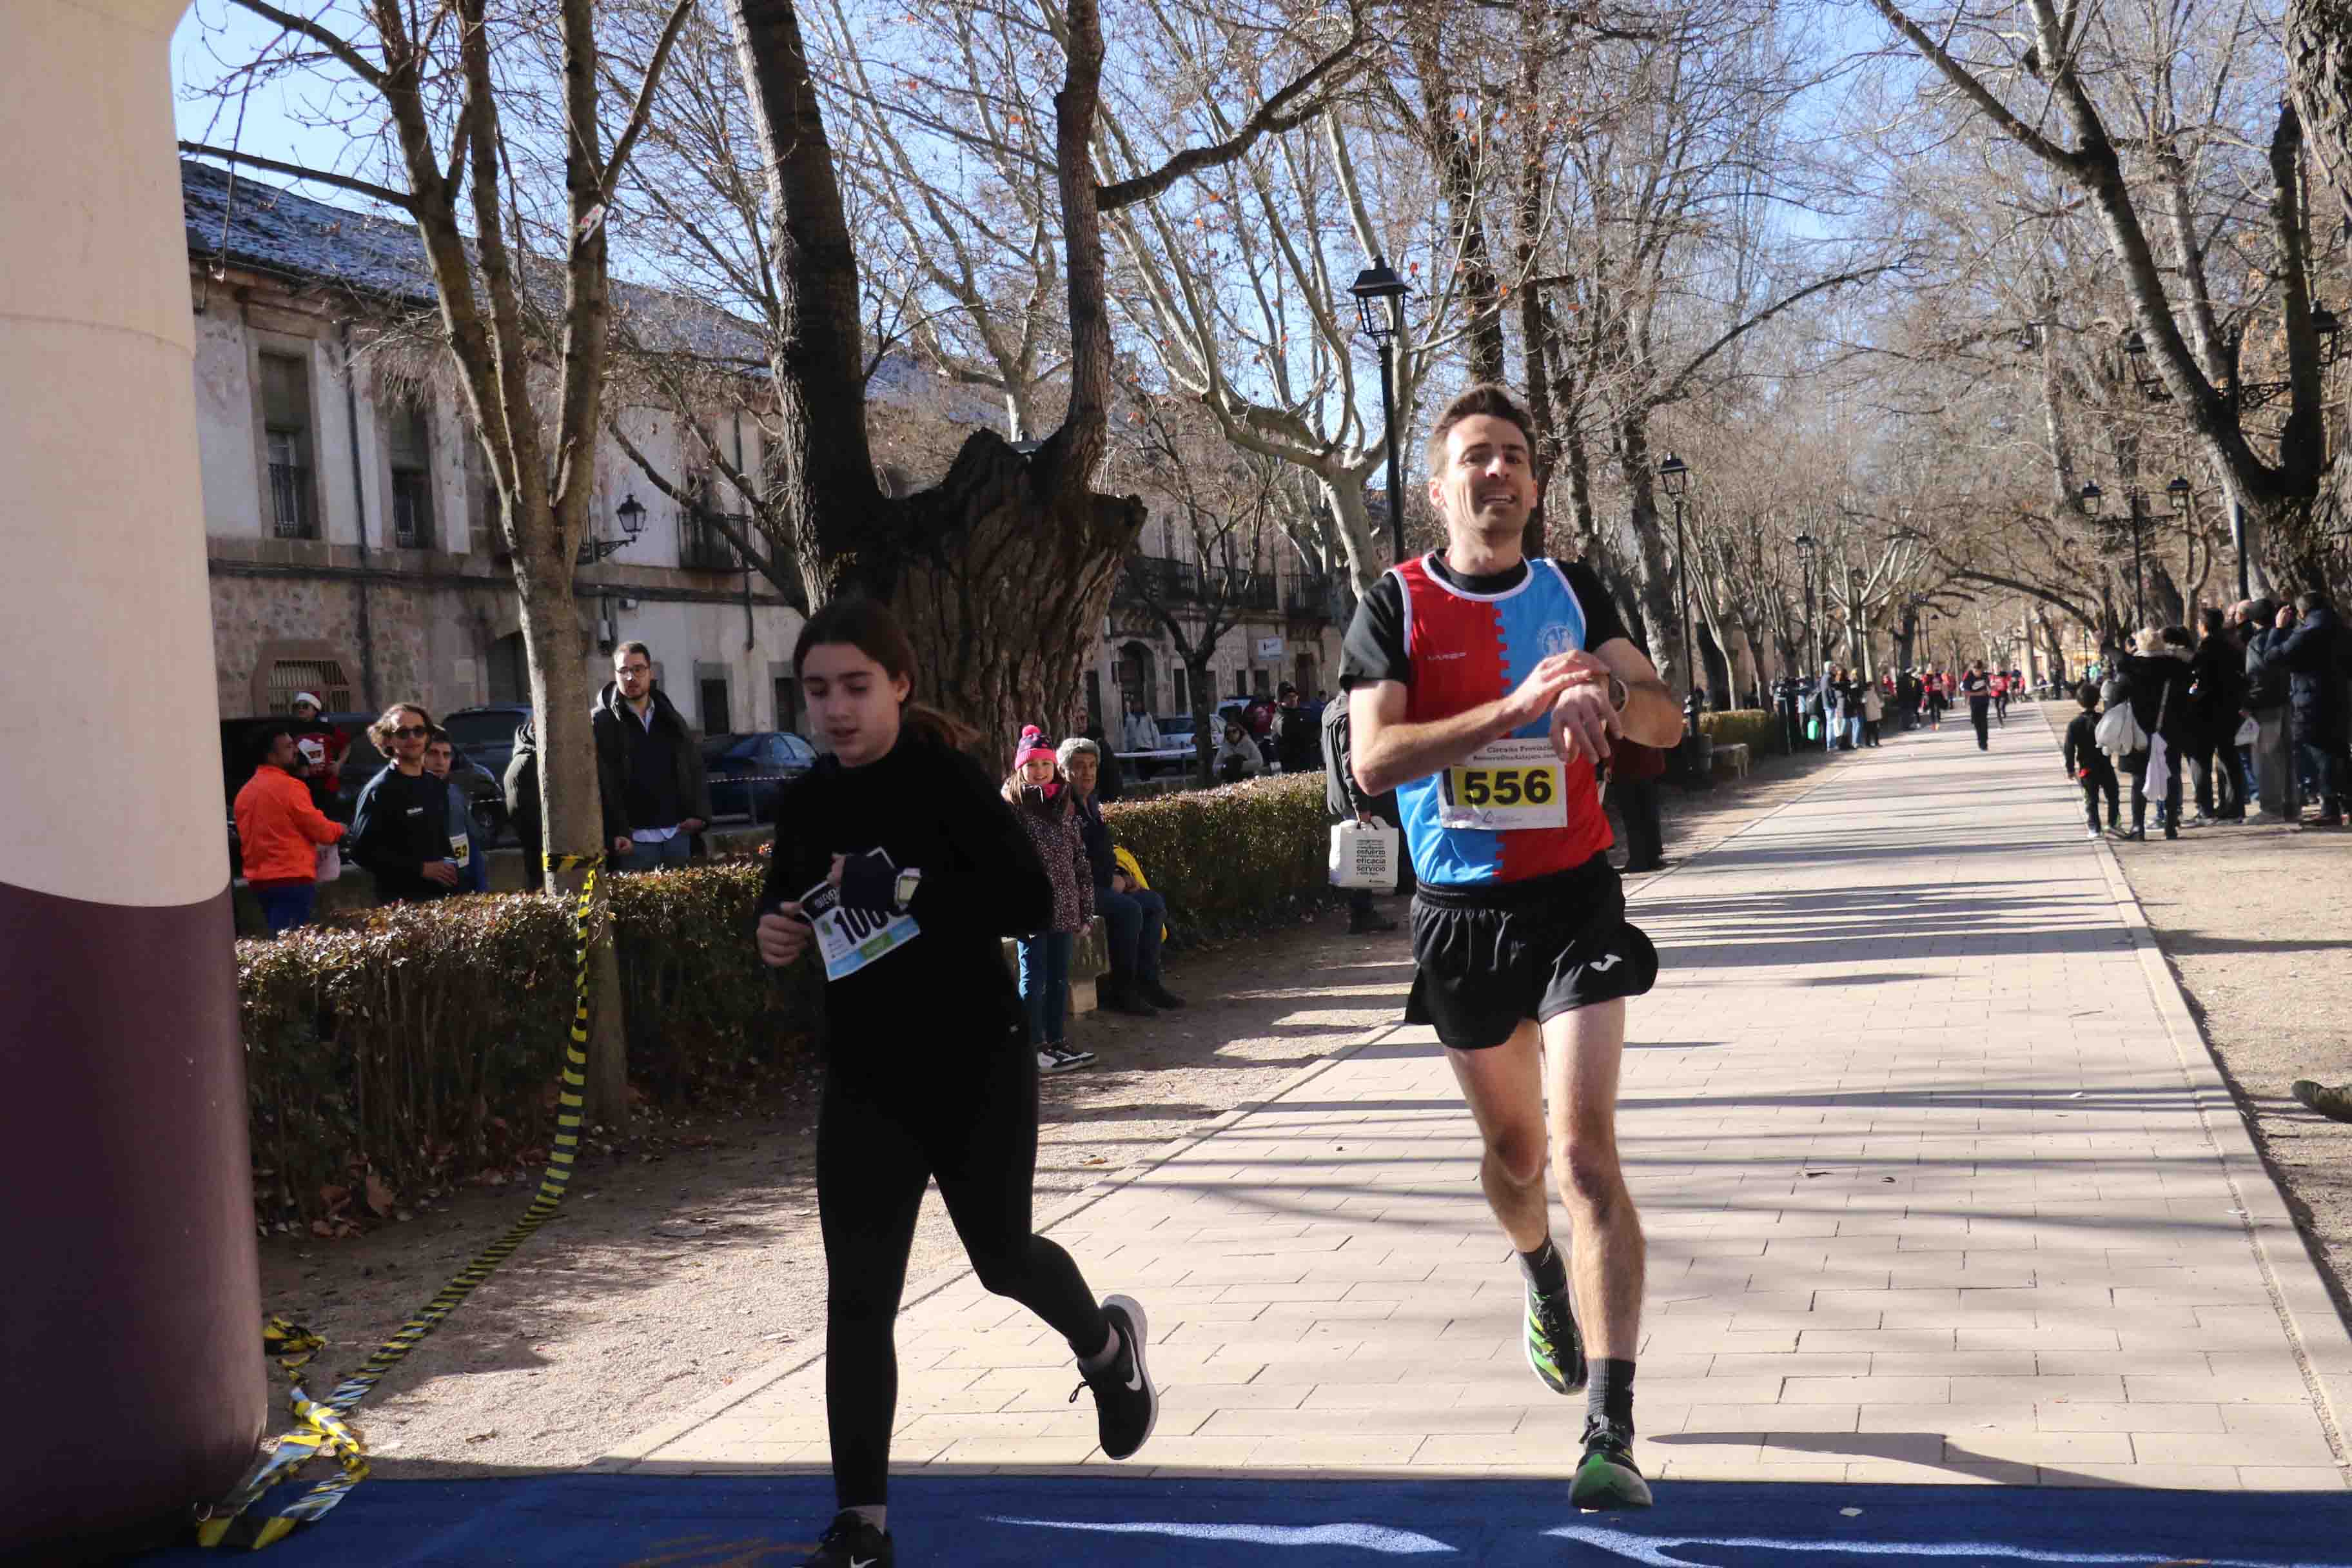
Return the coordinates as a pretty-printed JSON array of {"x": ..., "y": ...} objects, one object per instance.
[{"x": 531, "y": 369}]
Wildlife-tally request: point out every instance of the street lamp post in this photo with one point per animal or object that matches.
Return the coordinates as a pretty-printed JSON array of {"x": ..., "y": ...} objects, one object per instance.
[
  {"x": 1806, "y": 545},
  {"x": 1380, "y": 304},
  {"x": 595, "y": 548},
  {"x": 2137, "y": 498},
  {"x": 1675, "y": 475},
  {"x": 2176, "y": 492}
]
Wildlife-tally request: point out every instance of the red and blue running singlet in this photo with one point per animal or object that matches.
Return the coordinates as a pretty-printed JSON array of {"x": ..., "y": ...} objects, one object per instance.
[{"x": 1515, "y": 810}]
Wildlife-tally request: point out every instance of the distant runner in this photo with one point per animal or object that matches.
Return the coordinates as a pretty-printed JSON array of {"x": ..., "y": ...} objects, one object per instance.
[{"x": 1481, "y": 688}]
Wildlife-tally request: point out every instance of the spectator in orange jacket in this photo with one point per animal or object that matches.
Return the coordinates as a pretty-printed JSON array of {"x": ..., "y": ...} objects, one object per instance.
[{"x": 278, "y": 831}]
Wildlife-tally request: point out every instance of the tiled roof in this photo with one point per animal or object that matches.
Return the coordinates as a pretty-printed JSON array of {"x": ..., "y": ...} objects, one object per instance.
[{"x": 263, "y": 225}]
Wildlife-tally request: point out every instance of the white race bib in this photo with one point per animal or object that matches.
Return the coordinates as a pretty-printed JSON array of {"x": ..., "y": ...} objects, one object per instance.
[
  {"x": 1504, "y": 786},
  {"x": 848, "y": 940}
]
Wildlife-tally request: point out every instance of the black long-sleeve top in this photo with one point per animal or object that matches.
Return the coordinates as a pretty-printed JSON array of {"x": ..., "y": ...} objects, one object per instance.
[
  {"x": 402, "y": 821},
  {"x": 932, "y": 810}
]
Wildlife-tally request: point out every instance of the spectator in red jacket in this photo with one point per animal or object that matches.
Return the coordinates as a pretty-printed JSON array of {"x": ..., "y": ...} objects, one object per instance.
[
  {"x": 278, "y": 831},
  {"x": 320, "y": 748}
]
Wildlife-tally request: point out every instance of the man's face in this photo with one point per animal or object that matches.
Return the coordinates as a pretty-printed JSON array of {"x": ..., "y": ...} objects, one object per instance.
[
  {"x": 1487, "y": 484},
  {"x": 283, "y": 753},
  {"x": 634, "y": 675},
  {"x": 1083, "y": 767},
  {"x": 409, "y": 733},
  {"x": 438, "y": 759}
]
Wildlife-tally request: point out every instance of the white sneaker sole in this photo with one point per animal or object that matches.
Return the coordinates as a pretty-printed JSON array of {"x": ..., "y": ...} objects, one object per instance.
[{"x": 1137, "y": 1342}]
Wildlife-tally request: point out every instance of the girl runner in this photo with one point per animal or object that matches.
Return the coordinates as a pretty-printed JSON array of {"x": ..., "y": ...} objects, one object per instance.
[{"x": 896, "y": 857}]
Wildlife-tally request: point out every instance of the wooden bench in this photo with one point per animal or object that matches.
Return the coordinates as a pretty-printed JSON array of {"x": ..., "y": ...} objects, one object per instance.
[{"x": 1731, "y": 759}]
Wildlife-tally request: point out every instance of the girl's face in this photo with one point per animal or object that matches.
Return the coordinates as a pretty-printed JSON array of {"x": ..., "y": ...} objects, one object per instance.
[
  {"x": 853, "y": 702},
  {"x": 1037, "y": 770}
]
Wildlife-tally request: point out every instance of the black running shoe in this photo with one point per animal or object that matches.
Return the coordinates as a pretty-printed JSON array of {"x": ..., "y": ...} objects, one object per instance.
[
  {"x": 850, "y": 1542},
  {"x": 1126, "y": 1404},
  {"x": 1607, "y": 1478},
  {"x": 1555, "y": 1348}
]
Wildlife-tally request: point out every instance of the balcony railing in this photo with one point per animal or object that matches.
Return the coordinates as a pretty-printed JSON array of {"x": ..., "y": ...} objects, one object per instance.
[
  {"x": 289, "y": 501},
  {"x": 1153, "y": 579},
  {"x": 1242, "y": 589},
  {"x": 1312, "y": 596},
  {"x": 703, "y": 547}
]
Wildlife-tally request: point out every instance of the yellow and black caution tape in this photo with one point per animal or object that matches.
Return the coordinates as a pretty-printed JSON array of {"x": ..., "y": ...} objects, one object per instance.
[{"x": 320, "y": 1423}]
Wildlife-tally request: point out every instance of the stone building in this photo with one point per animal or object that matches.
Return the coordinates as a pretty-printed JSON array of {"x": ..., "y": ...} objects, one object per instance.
[
  {"x": 352, "y": 542},
  {"x": 350, "y": 538}
]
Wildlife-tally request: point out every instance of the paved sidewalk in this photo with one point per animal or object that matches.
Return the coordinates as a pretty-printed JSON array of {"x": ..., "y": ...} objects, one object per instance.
[{"x": 1940, "y": 1184}]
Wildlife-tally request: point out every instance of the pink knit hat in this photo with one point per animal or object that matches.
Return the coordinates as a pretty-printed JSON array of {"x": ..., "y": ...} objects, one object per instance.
[{"x": 1032, "y": 744}]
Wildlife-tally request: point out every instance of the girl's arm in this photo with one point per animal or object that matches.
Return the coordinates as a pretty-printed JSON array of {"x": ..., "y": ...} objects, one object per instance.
[{"x": 993, "y": 878}]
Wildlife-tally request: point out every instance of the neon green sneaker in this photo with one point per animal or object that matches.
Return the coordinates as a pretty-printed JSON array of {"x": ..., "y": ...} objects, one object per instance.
[
  {"x": 1607, "y": 1478},
  {"x": 1555, "y": 1349}
]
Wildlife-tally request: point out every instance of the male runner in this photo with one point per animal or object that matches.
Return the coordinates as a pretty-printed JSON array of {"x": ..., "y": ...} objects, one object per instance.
[{"x": 1482, "y": 687}]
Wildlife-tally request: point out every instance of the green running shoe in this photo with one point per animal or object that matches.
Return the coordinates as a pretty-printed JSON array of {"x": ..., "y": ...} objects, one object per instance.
[
  {"x": 1555, "y": 1349},
  {"x": 1607, "y": 1479}
]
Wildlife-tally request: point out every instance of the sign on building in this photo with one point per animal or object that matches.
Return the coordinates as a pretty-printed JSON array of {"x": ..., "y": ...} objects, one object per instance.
[{"x": 1269, "y": 647}]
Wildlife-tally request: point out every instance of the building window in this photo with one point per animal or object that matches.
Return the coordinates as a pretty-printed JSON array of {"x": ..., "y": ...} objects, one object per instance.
[
  {"x": 509, "y": 669},
  {"x": 716, "y": 718},
  {"x": 321, "y": 678},
  {"x": 788, "y": 702},
  {"x": 1261, "y": 681},
  {"x": 286, "y": 425},
  {"x": 1180, "y": 688},
  {"x": 700, "y": 546},
  {"x": 411, "y": 476},
  {"x": 1241, "y": 683}
]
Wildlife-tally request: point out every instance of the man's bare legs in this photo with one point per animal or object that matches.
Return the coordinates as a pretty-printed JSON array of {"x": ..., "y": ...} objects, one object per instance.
[
  {"x": 1573, "y": 1063},
  {"x": 1583, "y": 1051}
]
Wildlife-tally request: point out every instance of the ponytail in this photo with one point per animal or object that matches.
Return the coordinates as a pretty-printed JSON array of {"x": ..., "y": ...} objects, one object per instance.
[{"x": 926, "y": 722}]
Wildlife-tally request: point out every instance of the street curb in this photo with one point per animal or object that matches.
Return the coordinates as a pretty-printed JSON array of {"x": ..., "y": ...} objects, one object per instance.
[{"x": 2321, "y": 1343}]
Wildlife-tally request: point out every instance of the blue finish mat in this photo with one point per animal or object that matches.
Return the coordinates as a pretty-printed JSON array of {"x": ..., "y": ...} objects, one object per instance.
[{"x": 573, "y": 1520}]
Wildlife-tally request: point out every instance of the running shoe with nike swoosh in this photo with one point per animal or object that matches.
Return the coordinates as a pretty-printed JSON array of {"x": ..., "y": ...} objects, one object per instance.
[{"x": 1126, "y": 1404}]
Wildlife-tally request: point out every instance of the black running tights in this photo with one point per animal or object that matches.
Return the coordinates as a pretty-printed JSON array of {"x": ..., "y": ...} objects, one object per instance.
[
  {"x": 1977, "y": 714},
  {"x": 883, "y": 1131}
]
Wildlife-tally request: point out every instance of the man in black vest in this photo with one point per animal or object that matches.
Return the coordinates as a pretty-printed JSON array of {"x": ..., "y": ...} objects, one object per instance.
[{"x": 648, "y": 768}]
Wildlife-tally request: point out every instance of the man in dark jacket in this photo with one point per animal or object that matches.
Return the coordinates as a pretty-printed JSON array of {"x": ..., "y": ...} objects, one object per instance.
[
  {"x": 2277, "y": 780},
  {"x": 522, "y": 797},
  {"x": 1348, "y": 803},
  {"x": 2316, "y": 656},
  {"x": 648, "y": 768},
  {"x": 2216, "y": 705},
  {"x": 1297, "y": 743}
]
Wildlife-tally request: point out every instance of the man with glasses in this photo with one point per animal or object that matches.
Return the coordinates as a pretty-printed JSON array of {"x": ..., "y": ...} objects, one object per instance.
[
  {"x": 400, "y": 830},
  {"x": 649, "y": 768}
]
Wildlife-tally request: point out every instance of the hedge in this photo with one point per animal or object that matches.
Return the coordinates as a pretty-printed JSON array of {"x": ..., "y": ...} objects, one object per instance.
[
  {"x": 1759, "y": 728},
  {"x": 417, "y": 1045},
  {"x": 411, "y": 1048}
]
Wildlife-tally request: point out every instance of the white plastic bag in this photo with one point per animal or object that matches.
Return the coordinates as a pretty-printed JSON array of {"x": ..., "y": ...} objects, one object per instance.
[
  {"x": 1365, "y": 857},
  {"x": 329, "y": 863},
  {"x": 2249, "y": 733}
]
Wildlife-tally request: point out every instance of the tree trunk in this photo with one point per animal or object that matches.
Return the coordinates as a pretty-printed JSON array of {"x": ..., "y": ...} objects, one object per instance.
[{"x": 572, "y": 807}]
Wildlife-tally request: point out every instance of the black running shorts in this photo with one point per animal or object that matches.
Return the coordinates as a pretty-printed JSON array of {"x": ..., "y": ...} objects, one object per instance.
[{"x": 1488, "y": 957}]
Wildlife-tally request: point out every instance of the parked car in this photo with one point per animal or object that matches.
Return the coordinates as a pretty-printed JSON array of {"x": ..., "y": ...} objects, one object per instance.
[
  {"x": 486, "y": 733},
  {"x": 748, "y": 772}
]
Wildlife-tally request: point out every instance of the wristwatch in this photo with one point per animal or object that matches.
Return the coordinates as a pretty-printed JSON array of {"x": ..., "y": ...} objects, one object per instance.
[{"x": 1619, "y": 693}]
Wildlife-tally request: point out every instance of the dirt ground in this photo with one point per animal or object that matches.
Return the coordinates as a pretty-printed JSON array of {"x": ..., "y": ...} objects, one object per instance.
[
  {"x": 2256, "y": 922},
  {"x": 692, "y": 1255}
]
